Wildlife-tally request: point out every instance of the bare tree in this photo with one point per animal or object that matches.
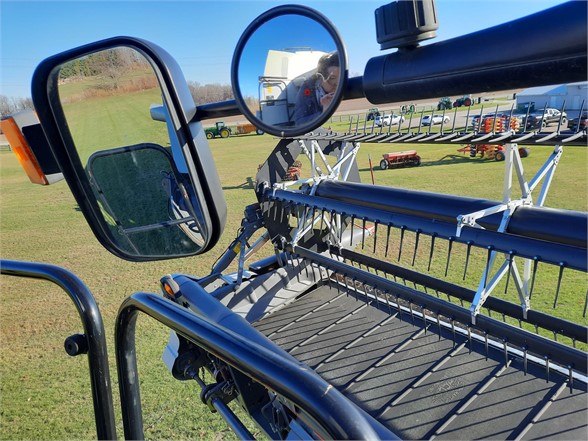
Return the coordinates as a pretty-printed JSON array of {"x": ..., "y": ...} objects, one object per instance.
[
  {"x": 10, "y": 105},
  {"x": 210, "y": 93}
]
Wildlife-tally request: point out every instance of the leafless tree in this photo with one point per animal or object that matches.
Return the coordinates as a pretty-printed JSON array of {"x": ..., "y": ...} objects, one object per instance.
[{"x": 10, "y": 105}]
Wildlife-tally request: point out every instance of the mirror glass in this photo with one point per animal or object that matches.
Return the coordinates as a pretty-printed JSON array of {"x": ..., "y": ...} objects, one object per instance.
[
  {"x": 290, "y": 74},
  {"x": 136, "y": 173}
]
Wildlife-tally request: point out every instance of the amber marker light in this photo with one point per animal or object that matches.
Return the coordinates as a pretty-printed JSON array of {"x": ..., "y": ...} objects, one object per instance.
[
  {"x": 170, "y": 287},
  {"x": 23, "y": 152},
  {"x": 168, "y": 290}
]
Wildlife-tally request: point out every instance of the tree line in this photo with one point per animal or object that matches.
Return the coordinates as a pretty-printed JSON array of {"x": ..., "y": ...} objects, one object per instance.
[
  {"x": 202, "y": 94},
  {"x": 112, "y": 70}
]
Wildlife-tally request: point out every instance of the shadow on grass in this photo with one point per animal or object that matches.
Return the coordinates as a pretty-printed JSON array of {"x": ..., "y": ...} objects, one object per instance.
[
  {"x": 445, "y": 160},
  {"x": 249, "y": 184}
]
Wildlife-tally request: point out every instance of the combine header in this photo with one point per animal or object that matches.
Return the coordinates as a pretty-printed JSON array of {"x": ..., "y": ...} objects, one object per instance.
[{"x": 378, "y": 312}]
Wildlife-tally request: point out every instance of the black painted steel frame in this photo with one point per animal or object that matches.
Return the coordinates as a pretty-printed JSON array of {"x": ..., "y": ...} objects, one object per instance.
[
  {"x": 294, "y": 381},
  {"x": 93, "y": 332}
]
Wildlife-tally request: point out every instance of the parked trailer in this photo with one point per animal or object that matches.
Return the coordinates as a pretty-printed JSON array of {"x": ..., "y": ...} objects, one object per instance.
[{"x": 243, "y": 129}]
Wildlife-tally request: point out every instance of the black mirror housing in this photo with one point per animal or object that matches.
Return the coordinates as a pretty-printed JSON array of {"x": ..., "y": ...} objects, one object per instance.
[
  {"x": 191, "y": 147},
  {"x": 299, "y": 74}
]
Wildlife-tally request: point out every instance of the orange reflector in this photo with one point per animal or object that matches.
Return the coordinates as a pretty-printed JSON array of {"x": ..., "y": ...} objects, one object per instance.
[
  {"x": 168, "y": 290},
  {"x": 23, "y": 152}
]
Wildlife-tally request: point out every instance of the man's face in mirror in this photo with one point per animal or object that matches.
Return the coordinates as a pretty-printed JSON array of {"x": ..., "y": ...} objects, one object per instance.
[{"x": 329, "y": 84}]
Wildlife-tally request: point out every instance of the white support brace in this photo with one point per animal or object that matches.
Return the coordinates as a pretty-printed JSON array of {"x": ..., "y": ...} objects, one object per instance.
[
  {"x": 339, "y": 171},
  {"x": 507, "y": 207}
]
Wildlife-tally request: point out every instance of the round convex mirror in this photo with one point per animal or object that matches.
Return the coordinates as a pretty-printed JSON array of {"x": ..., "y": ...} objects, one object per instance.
[{"x": 289, "y": 71}]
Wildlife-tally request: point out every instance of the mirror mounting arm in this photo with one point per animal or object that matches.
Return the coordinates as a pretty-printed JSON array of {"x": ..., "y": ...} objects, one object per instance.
[
  {"x": 218, "y": 109},
  {"x": 354, "y": 89}
]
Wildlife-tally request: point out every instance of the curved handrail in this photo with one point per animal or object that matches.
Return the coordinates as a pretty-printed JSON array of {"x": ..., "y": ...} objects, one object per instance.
[
  {"x": 93, "y": 330},
  {"x": 294, "y": 381}
]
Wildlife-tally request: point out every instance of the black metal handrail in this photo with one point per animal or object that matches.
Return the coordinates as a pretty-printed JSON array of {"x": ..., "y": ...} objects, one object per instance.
[
  {"x": 93, "y": 332},
  {"x": 294, "y": 381}
]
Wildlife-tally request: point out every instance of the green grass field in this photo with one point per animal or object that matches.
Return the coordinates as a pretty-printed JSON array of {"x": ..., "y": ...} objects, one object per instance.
[{"x": 45, "y": 394}]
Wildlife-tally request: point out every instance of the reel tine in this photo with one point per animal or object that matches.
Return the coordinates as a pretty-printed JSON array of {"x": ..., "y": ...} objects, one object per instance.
[
  {"x": 329, "y": 281},
  {"x": 487, "y": 270},
  {"x": 351, "y": 237},
  {"x": 453, "y": 330},
  {"x": 561, "y": 268},
  {"x": 387, "y": 240},
  {"x": 363, "y": 233},
  {"x": 375, "y": 235},
  {"x": 333, "y": 219},
  {"x": 448, "y": 254},
  {"x": 470, "y": 338},
  {"x": 432, "y": 250},
  {"x": 535, "y": 262},
  {"x": 402, "y": 229},
  {"x": 387, "y": 301},
  {"x": 416, "y": 245},
  {"x": 469, "y": 249},
  {"x": 486, "y": 343},
  {"x": 585, "y": 304}
]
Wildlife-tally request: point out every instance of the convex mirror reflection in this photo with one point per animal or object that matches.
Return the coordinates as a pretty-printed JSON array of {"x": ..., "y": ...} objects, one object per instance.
[
  {"x": 131, "y": 165},
  {"x": 289, "y": 72}
]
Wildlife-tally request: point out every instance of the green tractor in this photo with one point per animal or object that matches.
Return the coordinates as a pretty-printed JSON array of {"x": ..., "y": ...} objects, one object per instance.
[
  {"x": 219, "y": 130},
  {"x": 444, "y": 103},
  {"x": 372, "y": 113}
]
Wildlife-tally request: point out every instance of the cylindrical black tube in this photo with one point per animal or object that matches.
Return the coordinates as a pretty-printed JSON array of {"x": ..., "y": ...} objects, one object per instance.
[
  {"x": 217, "y": 110},
  {"x": 548, "y": 47},
  {"x": 528, "y": 247},
  {"x": 549, "y": 224}
]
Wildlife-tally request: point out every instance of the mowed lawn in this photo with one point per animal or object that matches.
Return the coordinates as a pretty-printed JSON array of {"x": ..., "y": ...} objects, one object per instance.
[{"x": 45, "y": 394}]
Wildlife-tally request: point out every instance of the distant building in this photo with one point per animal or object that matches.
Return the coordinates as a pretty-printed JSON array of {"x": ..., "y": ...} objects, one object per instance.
[{"x": 575, "y": 96}]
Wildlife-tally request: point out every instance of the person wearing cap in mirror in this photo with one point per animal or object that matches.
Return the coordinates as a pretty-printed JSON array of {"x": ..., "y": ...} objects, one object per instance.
[{"x": 316, "y": 93}]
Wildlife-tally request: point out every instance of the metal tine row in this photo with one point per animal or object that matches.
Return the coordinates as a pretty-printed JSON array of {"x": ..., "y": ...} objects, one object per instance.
[
  {"x": 417, "y": 313},
  {"x": 311, "y": 216},
  {"x": 352, "y": 281},
  {"x": 537, "y": 135}
]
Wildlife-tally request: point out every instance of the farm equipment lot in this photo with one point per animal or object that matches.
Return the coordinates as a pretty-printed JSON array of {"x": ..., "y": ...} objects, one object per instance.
[{"x": 46, "y": 394}]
